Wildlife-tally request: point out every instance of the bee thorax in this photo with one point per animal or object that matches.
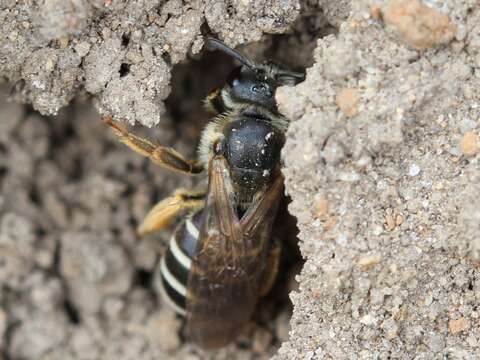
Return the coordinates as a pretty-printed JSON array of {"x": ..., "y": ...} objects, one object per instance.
[{"x": 253, "y": 146}]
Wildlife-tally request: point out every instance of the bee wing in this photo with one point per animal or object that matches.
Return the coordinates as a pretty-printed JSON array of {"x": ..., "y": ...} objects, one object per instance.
[
  {"x": 224, "y": 279},
  {"x": 259, "y": 218}
]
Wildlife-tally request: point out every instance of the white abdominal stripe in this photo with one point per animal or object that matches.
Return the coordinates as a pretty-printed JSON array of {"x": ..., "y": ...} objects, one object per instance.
[
  {"x": 175, "y": 267},
  {"x": 191, "y": 228},
  {"x": 178, "y": 254},
  {"x": 171, "y": 280}
]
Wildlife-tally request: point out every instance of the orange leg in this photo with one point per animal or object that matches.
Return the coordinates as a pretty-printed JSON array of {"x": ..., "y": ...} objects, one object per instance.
[
  {"x": 166, "y": 211},
  {"x": 160, "y": 155}
]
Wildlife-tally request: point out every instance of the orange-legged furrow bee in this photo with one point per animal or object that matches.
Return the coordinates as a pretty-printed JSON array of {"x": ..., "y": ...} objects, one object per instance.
[{"x": 221, "y": 258}]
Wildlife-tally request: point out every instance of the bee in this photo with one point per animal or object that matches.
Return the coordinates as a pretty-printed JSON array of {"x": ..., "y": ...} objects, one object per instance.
[{"x": 221, "y": 259}]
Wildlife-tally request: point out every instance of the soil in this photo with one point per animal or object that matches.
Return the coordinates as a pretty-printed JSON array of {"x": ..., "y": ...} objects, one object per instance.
[{"x": 381, "y": 162}]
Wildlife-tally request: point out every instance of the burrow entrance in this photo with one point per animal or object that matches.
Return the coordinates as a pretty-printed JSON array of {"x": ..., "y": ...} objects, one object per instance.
[{"x": 192, "y": 80}]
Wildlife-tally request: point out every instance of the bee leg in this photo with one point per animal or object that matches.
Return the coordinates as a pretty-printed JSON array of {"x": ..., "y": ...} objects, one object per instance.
[
  {"x": 160, "y": 155},
  {"x": 165, "y": 212},
  {"x": 271, "y": 269}
]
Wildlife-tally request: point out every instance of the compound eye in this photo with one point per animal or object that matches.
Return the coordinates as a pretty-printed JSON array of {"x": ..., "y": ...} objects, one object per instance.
[
  {"x": 258, "y": 88},
  {"x": 263, "y": 89},
  {"x": 234, "y": 77}
]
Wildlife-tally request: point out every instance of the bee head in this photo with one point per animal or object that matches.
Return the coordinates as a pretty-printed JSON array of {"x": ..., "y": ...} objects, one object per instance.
[{"x": 254, "y": 83}]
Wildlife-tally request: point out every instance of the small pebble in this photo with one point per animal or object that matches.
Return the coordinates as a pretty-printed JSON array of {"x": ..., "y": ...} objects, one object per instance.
[
  {"x": 390, "y": 222},
  {"x": 82, "y": 48},
  {"x": 347, "y": 101},
  {"x": 368, "y": 320},
  {"x": 399, "y": 220},
  {"x": 322, "y": 208},
  {"x": 468, "y": 144},
  {"x": 458, "y": 325},
  {"x": 369, "y": 261},
  {"x": 414, "y": 170}
]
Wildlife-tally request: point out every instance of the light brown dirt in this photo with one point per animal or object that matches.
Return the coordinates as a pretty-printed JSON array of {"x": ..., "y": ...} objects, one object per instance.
[{"x": 384, "y": 180}]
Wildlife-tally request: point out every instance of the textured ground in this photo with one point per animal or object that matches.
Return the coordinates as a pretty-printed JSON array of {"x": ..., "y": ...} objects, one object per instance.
[
  {"x": 383, "y": 167},
  {"x": 381, "y": 162},
  {"x": 75, "y": 282},
  {"x": 121, "y": 52}
]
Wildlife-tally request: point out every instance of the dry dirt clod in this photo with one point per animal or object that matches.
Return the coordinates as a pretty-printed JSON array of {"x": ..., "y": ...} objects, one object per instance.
[
  {"x": 368, "y": 262},
  {"x": 413, "y": 106},
  {"x": 322, "y": 208},
  {"x": 376, "y": 11},
  {"x": 390, "y": 222},
  {"x": 399, "y": 219},
  {"x": 45, "y": 50},
  {"x": 468, "y": 144},
  {"x": 422, "y": 27},
  {"x": 330, "y": 222},
  {"x": 458, "y": 325},
  {"x": 347, "y": 101}
]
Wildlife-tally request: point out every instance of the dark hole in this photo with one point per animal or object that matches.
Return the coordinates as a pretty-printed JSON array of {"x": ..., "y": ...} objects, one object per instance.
[
  {"x": 130, "y": 167},
  {"x": 124, "y": 69},
  {"x": 470, "y": 285},
  {"x": 40, "y": 231},
  {"x": 413, "y": 59},
  {"x": 143, "y": 278},
  {"x": 34, "y": 195},
  {"x": 29, "y": 110},
  {"x": 133, "y": 222},
  {"x": 61, "y": 133},
  {"x": 129, "y": 189},
  {"x": 191, "y": 83},
  {"x": 167, "y": 58},
  {"x": 116, "y": 232},
  {"x": 71, "y": 312},
  {"x": 125, "y": 40}
]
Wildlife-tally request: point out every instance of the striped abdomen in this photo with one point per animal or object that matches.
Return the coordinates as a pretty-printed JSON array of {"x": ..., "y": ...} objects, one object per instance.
[{"x": 176, "y": 263}]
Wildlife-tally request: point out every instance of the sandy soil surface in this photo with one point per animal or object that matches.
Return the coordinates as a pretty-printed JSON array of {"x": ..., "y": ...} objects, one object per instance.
[{"x": 381, "y": 164}]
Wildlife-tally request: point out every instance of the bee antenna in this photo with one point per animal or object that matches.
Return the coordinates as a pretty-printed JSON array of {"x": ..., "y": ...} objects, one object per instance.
[{"x": 215, "y": 44}]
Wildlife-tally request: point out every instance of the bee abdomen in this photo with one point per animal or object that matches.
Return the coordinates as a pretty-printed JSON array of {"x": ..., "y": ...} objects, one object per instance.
[{"x": 176, "y": 263}]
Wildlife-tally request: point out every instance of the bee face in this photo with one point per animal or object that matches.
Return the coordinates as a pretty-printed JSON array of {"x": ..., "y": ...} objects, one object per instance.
[
  {"x": 253, "y": 86},
  {"x": 257, "y": 84},
  {"x": 251, "y": 83},
  {"x": 252, "y": 150}
]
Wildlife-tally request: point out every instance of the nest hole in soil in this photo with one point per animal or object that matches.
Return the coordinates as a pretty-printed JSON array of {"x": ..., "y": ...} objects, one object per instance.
[{"x": 193, "y": 80}]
